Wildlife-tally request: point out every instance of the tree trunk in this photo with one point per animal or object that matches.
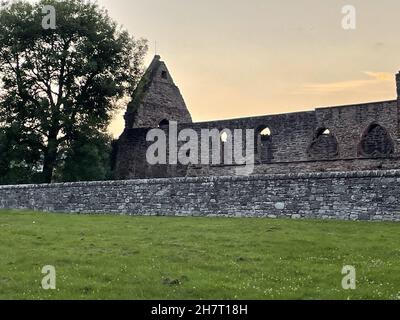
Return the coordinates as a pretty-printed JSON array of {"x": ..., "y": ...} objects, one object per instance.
[{"x": 50, "y": 159}]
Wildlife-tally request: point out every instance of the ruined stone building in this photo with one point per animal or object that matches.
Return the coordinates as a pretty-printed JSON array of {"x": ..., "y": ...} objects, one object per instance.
[
  {"x": 342, "y": 138},
  {"x": 330, "y": 163}
]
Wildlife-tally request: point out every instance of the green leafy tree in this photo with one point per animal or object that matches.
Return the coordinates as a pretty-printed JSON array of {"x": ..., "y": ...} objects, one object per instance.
[
  {"x": 17, "y": 160},
  {"x": 87, "y": 159},
  {"x": 58, "y": 85}
]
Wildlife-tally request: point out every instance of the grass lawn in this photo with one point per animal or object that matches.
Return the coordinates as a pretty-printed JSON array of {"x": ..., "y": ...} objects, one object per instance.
[{"x": 113, "y": 257}]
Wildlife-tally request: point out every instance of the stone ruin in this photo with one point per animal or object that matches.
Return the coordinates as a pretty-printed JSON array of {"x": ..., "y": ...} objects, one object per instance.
[
  {"x": 330, "y": 163},
  {"x": 354, "y": 137}
]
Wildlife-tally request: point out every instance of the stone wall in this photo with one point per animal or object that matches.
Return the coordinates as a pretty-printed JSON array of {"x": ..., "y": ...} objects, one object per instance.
[
  {"x": 356, "y": 164},
  {"x": 368, "y": 195},
  {"x": 156, "y": 99},
  {"x": 328, "y": 136},
  {"x": 337, "y": 134}
]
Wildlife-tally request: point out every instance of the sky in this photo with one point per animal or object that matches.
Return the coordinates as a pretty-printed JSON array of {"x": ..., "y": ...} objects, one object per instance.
[{"x": 236, "y": 58}]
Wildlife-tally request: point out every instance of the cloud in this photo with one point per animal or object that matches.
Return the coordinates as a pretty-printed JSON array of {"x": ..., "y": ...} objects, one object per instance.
[
  {"x": 334, "y": 87},
  {"x": 380, "y": 76}
]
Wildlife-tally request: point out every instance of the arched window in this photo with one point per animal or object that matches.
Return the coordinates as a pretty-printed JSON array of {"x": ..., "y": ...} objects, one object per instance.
[
  {"x": 263, "y": 144},
  {"x": 324, "y": 145},
  {"x": 226, "y": 147},
  {"x": 265, "y": 133},
  {"x": 224, "y": 137},
  {"x": 376, "y": 142},
  {"x": 163, "y": 123}
]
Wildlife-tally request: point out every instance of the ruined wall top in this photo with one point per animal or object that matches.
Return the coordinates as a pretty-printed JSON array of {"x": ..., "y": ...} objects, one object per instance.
[
  {"x": 364, "y": 136},
  {"x": 156, "y": 100}
]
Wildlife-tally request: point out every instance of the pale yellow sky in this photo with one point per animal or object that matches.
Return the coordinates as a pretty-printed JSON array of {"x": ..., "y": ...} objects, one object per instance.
[{"x": 243, "y": 58}]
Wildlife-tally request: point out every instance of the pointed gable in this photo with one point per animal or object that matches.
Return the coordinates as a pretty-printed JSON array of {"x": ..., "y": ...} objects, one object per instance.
[{"x": 156, "y": 99}]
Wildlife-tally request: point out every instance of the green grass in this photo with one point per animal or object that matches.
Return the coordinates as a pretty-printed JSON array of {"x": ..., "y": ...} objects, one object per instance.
[{"x": 113, "y": 257}]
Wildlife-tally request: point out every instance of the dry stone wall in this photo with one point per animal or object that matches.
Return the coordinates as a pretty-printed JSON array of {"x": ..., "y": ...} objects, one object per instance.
[{"x": 367, "y": 195}]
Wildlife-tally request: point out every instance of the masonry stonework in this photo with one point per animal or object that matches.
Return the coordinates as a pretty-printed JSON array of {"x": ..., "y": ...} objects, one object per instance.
[
  {"x": 332, "y": 163},
  {"x": 364, "y": 136},
  {"x": 156, "y": 99},
  {"x": 366, "y": 195}
]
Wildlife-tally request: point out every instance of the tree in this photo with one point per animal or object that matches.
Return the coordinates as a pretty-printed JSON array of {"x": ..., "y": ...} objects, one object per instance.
[
  {"x": 17, "y": 160},
  {"x": 88, "y": 159},
  {"x": 56, "y": 85}
]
